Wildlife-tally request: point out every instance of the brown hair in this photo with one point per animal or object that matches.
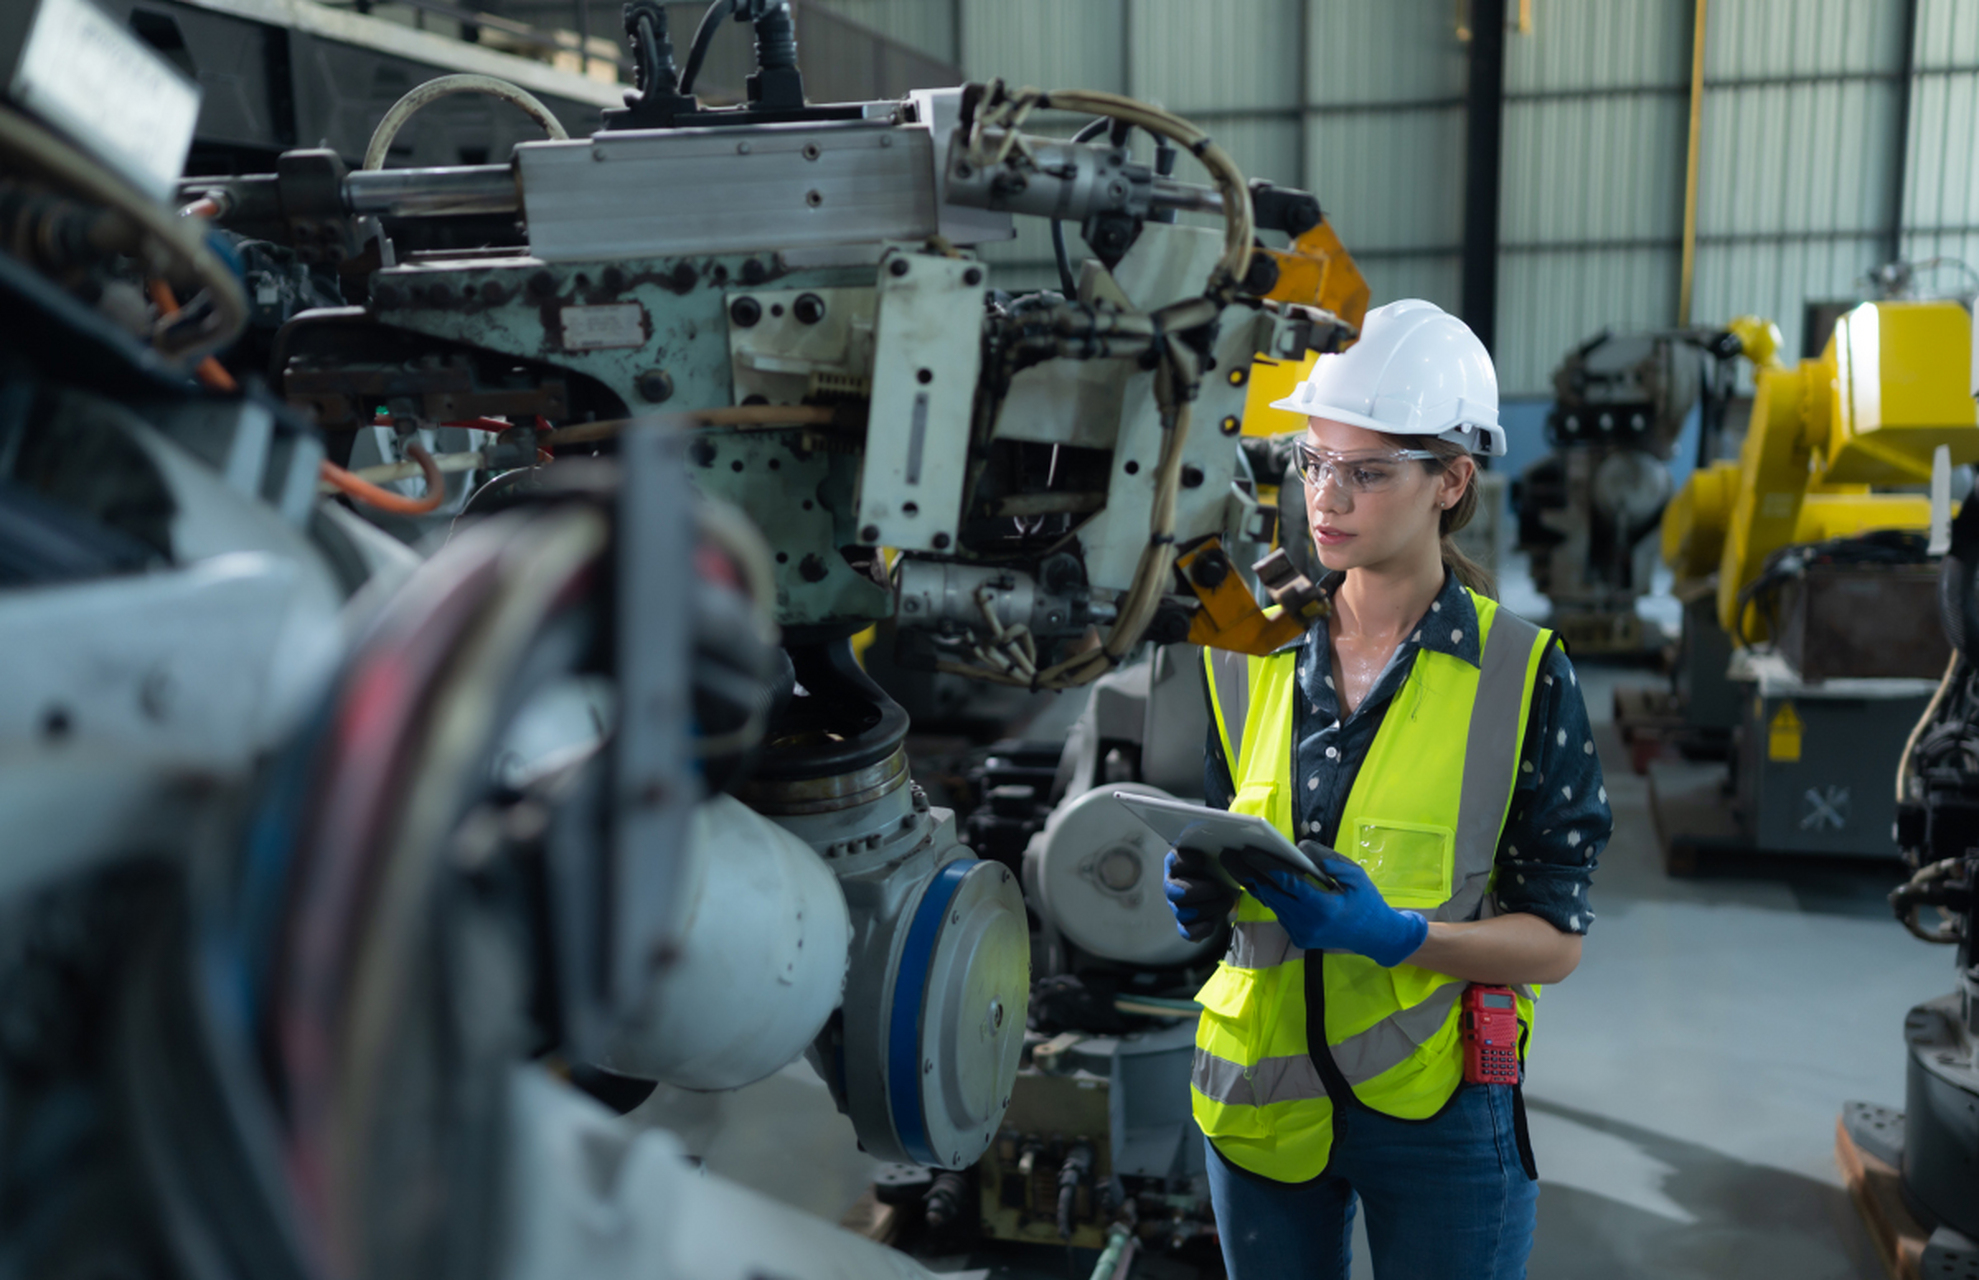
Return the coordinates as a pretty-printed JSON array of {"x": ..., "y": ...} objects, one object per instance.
[{"x": 1458, "y": 514}]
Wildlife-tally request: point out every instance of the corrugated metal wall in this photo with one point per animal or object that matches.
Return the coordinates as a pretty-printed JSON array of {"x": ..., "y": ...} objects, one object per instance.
[
  {"x": 1362, "y": 102},
  {"x": 1941, "y": 188},
  {"x": 1596, "y": 104},
  {"x": 1799, "y": 154}
]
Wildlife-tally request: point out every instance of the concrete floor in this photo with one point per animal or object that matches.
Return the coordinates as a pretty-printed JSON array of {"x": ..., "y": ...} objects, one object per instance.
[{"x": 1683, "y": 1090}]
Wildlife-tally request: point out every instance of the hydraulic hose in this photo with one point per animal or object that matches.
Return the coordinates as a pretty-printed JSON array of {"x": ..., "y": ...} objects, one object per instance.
[
  {"x": 1177, "y": 374},
  {"x": 704, "y": 35},
  {"x": 441, "y": 86},
  {"x": 384, "y": 499}
]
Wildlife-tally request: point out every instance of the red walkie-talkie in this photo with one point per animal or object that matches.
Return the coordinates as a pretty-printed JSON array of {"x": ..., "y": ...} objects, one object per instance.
[{"x": 1490, "y": 1029}]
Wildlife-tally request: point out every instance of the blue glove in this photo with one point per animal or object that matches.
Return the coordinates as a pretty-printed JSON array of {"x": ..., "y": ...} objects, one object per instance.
[
  {"x": 1355, "y": 918},
  {"x": 1198, "y": 898}
]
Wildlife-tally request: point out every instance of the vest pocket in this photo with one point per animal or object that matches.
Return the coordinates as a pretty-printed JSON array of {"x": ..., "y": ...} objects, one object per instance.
[
  {"x": 1412, "y": 863},
  {"x": 1230, "y": 1038}
]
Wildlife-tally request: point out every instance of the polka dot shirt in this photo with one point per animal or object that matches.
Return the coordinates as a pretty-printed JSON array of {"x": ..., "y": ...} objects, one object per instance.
[{"x": 1559, "y": 820}]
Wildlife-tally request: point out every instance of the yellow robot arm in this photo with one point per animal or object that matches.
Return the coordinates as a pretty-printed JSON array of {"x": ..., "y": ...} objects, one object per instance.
[{"x": 1890, "y": 389}]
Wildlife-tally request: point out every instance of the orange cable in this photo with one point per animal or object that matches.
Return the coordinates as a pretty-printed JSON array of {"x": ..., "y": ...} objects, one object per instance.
[
  {"x": 210, "y": 371},
  {"x": 386, "y": 500}
]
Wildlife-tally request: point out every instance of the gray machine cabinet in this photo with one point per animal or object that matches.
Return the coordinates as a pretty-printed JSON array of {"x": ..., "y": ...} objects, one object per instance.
[{"x": 1816, "y": 762}]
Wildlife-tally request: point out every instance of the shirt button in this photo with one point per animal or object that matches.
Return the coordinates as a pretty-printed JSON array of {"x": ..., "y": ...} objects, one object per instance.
[{"x": 1332, "y": 753}]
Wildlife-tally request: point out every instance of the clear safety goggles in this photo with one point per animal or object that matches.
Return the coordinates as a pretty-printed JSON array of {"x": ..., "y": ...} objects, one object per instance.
[{"x": 1369, "y": 472}]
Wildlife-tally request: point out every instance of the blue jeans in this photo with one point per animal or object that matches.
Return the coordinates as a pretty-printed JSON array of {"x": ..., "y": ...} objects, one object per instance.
[{"x": 1447, "y": 1199}]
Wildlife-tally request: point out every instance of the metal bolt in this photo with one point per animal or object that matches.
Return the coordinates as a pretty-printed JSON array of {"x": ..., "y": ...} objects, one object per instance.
[
  {"x": 744, "y": 312},
  {"x": 812, "y": 151},
  {"x": 743, "y": 148},
  {"x": 898, "y": 266},
  {"x": 656, "y": 386},
  {"x": 814, "y": 197},
  {"x": 809, "y": 308},
  {"x": 871, "y": 533},
  {"x": 973, "y": 276},
  {"x": 753, "y": 271},
  {"x": 1239, "y": 376},
  {"x": 1230, "y": 425},
  {"x": 597, "y": 153}
]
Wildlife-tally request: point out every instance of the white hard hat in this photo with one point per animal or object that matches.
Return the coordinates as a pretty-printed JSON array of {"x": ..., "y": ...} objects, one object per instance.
[{"x": 1416, "y": 371}]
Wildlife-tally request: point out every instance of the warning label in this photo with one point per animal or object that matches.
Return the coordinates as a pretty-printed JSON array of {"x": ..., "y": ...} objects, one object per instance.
[{"x": 1783, "y": 734}]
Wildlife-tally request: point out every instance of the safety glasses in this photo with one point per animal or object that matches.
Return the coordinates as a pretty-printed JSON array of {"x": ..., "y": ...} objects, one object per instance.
[{"x": 1357, "y": 473}]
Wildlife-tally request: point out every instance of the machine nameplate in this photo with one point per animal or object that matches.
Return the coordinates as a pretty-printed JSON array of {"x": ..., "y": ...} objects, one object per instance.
[{"x": 618, "y": 324}]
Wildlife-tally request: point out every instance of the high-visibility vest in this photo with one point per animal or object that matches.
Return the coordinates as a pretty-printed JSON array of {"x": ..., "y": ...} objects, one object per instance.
[{"x": 1424, "y": 818}]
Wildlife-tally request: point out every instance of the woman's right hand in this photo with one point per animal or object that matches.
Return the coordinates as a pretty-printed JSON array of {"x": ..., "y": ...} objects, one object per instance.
[{"x": 1198, "y": 898}]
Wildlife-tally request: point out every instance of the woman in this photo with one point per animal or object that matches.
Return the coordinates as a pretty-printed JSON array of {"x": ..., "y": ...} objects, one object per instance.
[{"x": 1441, "y": 746}]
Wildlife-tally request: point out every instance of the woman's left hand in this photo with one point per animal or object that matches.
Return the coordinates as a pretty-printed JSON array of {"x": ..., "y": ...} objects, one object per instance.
[{"x": 1353, "y": 918}]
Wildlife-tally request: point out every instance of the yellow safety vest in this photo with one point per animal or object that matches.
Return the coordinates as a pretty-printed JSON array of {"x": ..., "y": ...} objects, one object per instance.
[{"x": 1424, "y": 818}]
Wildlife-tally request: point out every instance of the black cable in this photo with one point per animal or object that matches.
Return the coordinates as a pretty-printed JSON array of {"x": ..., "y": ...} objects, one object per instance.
[
  {"x": 1058, "y": 251},
  {"x": 704, "y": 35}
]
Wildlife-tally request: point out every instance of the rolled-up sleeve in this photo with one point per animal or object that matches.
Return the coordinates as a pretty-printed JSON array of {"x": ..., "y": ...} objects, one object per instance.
[{"x": 1560, "y": 820}]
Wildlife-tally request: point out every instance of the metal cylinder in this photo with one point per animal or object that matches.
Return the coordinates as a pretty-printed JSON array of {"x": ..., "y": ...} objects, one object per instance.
[
  {"x": 1068, "y": 180},
  {"x": 432, "y": 193},
  {"x": 939, "y": 595},
  {"x": 762, "y": 958}
]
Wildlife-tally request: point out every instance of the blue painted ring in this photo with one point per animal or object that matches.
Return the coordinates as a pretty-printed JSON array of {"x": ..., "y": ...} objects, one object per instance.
[{"x": 910, "y": 993}]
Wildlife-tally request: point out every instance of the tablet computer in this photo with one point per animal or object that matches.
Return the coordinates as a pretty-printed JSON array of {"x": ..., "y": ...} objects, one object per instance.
[{"x": 1220, "y": 833}]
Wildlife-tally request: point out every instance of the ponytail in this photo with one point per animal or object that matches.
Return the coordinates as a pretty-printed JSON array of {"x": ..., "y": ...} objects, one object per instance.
[{"x": 1458, "y": 514}]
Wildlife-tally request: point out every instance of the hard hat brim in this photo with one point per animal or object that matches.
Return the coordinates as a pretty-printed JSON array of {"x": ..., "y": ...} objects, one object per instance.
[
  {"x": 1485, "y": 439},
  {"x": 1291, "y": 405}
]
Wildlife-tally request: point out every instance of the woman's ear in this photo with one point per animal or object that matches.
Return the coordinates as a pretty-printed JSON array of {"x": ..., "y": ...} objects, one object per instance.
[{"x": 1453, "y": 480}]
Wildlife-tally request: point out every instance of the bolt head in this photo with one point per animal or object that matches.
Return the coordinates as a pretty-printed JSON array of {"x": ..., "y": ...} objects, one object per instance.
[
  {"x": 656, "y": 386},
  {"x": 898, "y": 267}
]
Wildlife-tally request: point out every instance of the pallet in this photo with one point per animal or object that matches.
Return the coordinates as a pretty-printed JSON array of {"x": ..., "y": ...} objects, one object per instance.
[
  {"x": 1877, "y": 1190},
  {"x": 1649, "y": 720}
]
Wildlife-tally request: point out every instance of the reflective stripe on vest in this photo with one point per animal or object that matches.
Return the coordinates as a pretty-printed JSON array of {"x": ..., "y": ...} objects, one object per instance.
[{"x": 1391, "y": 1033}]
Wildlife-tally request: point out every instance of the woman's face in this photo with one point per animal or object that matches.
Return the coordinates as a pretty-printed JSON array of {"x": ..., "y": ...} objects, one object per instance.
[{"x": 1368, "y": 506}]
